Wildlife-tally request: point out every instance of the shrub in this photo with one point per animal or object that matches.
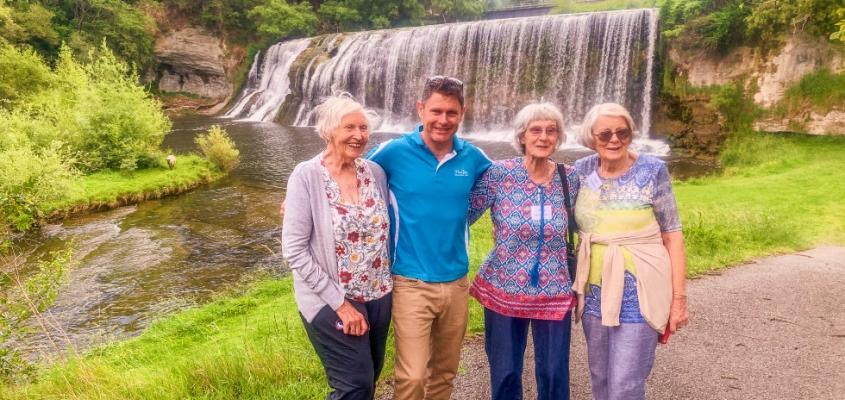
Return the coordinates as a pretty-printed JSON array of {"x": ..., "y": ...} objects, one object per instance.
[
  {"x": 219, "y": 148},
  {"x": 97, "y": 110},
  {"x": 22, "y": 73},
  {"x": 29, "y": 178}
]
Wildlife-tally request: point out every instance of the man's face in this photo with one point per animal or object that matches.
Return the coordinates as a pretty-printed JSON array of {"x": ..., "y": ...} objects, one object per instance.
[{"x": 441, "y": 116}]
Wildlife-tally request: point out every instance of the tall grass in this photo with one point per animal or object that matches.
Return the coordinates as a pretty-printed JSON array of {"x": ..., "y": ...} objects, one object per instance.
[
  {"x": 777, "y": 194},
  {"x": 821, "y": 90}
]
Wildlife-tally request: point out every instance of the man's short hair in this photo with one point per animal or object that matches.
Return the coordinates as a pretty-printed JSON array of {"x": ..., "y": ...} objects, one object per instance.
[{"x": 446, "y": 86}]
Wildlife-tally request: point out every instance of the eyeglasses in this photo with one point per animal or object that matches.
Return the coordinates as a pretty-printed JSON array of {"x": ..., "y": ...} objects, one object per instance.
[
  {"x": 537, "y": 131},
  {"x": 606, "y": 136},
  {"x": 438, "y": 82}
]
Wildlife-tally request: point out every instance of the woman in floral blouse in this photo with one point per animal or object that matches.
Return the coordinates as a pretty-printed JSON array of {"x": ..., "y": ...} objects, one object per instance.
[
  {"x": 334, "y": 237},
  {"x": 524, "y": 280}
]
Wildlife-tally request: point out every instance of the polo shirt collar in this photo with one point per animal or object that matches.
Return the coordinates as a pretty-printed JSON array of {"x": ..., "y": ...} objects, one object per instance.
[{"x": 457, "y": 143}]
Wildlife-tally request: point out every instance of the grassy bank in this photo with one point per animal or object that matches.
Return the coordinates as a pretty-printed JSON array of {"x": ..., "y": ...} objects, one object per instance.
[
  {"x": 111, "y": 189},
  {"x": 777, "y": 194}
]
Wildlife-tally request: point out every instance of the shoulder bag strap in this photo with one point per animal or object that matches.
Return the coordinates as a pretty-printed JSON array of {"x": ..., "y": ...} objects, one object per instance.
[{"x": 571, "y": 226}]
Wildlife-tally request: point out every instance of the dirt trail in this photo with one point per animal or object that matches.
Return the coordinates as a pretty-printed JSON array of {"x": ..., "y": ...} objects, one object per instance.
[{"x": 770, "y": 329}]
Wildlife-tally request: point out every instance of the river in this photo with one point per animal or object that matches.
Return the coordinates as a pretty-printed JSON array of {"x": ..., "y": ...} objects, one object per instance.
[{"x": 140, "y": 262}]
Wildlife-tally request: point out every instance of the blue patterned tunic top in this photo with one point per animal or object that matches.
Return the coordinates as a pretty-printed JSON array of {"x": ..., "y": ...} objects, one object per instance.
[
  {"x": 630, "y": 202},
  {"x": 519, "y": 209}
]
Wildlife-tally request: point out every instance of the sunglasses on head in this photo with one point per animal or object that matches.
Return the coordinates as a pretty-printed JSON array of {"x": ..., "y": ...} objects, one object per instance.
[
  {"x": 444, "y": 82},
  {"x": 607, "y": 135}
]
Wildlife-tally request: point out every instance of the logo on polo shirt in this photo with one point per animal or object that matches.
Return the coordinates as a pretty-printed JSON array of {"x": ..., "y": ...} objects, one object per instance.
[{"x": 461, "y": 172}]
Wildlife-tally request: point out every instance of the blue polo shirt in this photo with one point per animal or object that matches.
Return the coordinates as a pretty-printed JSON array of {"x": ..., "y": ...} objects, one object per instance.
[{"x": 428, "y": 205}]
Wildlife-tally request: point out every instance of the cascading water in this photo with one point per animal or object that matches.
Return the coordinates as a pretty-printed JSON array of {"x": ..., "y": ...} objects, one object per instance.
[
  {"x": 268, "y": 86},
  {"x": 575, "y": 61}
]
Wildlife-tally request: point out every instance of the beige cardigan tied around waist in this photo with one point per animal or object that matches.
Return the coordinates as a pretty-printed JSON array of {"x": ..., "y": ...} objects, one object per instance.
[{"x": 654, "y": 274}]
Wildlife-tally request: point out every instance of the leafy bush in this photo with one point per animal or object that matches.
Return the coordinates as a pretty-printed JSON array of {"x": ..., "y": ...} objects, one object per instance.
[
  {"x": 22, "y": 73},
  {"x": 219, "y": 148},
  {"x": 28, "y": 179},
  {"x": 725, "y": 28},
  {"x": 734, "y": 105},
  {"x": 98, "y": 112}
]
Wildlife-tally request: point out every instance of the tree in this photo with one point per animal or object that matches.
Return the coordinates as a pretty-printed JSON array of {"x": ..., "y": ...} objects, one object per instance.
[
  {"x": 768, "y": 20},
  {"x": 338, "y": 15},
  {"x": 457, "y": 10},
  {"x": 278, "y": 19}
]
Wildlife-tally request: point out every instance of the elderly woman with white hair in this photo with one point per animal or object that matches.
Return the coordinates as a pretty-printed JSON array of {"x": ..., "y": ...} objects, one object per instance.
[
  {"x": 631, "y": 260},
  {"x": 524, "y": 281},
  {"x": 334, "y": 238}
]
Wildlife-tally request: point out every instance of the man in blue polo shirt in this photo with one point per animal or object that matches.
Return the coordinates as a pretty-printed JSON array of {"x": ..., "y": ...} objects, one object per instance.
[{"x": 430, "y": 173}]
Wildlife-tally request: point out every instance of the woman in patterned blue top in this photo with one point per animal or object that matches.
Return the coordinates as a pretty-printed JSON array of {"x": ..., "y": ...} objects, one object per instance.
[
  {"x": 524, "y": 280},
  {"x": 631, "y": 262}
]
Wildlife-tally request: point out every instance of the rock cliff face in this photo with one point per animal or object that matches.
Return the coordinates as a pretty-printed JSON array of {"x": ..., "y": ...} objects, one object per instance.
[
  {"x": 193, "y": 62},
  {"x": 691, "y": 123}
]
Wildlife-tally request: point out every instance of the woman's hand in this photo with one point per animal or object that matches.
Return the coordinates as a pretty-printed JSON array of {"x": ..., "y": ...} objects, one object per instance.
[
  {"x": 354, "y": 322},
  {"x": 678, "y": 315}
]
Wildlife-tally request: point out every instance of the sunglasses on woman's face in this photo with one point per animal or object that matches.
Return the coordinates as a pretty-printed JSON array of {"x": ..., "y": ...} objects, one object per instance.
[{"x": 607, "y": 135}]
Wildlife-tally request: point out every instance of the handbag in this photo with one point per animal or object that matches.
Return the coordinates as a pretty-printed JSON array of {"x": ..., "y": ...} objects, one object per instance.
[{"x": 571, "y": 249}]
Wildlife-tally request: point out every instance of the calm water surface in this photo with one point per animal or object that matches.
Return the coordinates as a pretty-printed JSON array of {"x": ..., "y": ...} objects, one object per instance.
[{"x": 139, "y": 262}]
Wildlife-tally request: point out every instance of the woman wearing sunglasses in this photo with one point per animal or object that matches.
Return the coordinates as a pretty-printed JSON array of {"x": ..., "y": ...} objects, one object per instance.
[{"x": 631, "y": 271}]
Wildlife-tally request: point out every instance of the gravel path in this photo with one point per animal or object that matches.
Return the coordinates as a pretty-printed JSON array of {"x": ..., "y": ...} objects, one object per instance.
[{"x": 770, "y": 329}]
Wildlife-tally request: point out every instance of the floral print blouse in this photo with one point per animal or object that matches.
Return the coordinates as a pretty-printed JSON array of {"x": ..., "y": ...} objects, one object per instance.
[
  {"x": 530, "y": 224},
  {"x": 360, "y": 235}
]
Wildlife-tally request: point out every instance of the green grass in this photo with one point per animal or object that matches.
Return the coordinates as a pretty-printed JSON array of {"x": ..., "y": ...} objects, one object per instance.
[
  {"x": 572, "y": 6},
  {"x": 109, "y": 189},
  {"x": 820, "y": 91},
  {"x": 778, "y": 193}
]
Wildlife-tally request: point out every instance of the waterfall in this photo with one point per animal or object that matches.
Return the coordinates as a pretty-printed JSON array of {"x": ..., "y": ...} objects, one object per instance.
[
  {"x": 267, "y": 87},
  {"x": 574, "y": 60}
]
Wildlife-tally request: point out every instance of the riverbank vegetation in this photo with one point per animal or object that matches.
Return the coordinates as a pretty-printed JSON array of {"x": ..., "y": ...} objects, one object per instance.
[
  {"x": 80, "y": 135},
  {"x": 776, "y": 194}
]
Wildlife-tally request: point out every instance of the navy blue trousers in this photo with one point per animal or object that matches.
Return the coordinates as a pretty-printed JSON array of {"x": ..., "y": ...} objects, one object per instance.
[
  {"x": 352, "y": 363},
  {"x": 505, "y": 339}
]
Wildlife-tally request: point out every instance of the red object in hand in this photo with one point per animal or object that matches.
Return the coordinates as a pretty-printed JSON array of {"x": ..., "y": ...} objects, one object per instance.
[{"x": 664, "y": 338}]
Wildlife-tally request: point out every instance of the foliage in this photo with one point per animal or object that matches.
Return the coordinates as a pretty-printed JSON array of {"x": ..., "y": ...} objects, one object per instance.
[
  {"x": 720, "y": 25},
  {"x": 724, "y": 28},
  {"x": 98, "y": 112},
  {"x": 279, "y": 19},
  {"x": 839, "y": 33},
  {"x": 771, "y": 19},
  {"x": 821, "y": 90},
  {"x": 338, "y": 16},
  {"x": 457, "y": 10},
  {"x": 26, "y": 294},
  {"x": 737, "y": 109},
  {"x": 219, "y": 148},
  {"x": 29, "y": 178},
  {"x": 82, "y": 25},
  {"x": 22, "y": 73}
]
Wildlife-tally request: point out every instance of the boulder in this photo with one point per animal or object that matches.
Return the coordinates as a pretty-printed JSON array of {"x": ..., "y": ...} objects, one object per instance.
[{"x": 191, "y": 61}]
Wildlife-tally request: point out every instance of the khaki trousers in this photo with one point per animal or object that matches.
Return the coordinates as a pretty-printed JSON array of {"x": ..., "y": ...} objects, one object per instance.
[{"x": 429, "y": 322}]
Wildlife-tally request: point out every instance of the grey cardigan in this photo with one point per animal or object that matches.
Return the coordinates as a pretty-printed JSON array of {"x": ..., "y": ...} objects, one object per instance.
[{"x": 308, "y": 237}]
